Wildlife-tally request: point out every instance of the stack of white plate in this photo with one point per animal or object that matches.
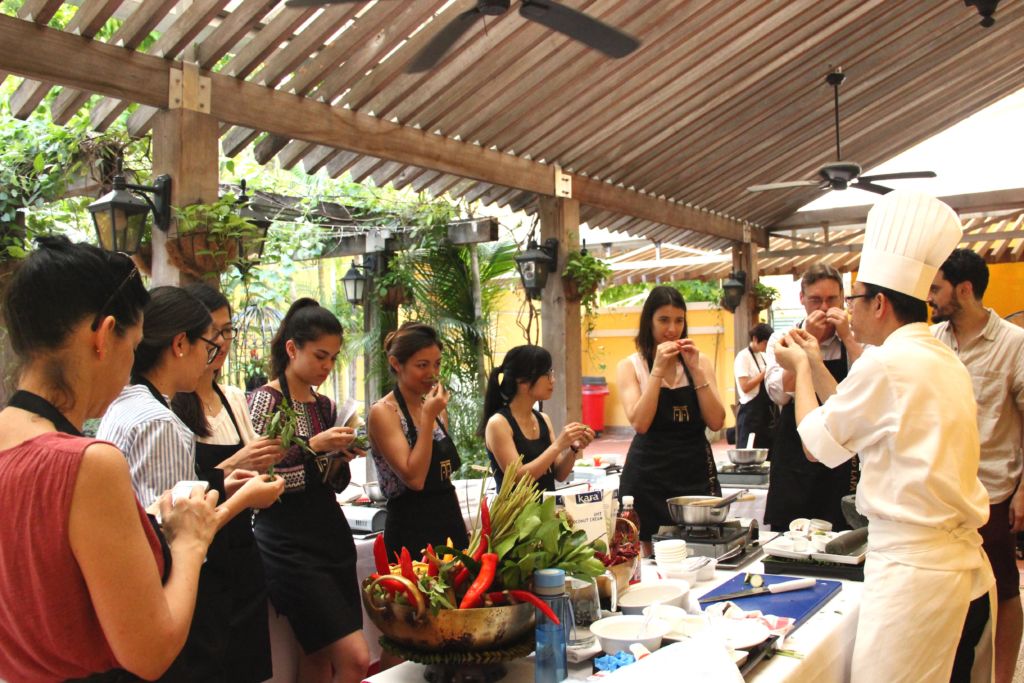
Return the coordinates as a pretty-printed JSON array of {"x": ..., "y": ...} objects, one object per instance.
[{"x": 670, "y": 551}]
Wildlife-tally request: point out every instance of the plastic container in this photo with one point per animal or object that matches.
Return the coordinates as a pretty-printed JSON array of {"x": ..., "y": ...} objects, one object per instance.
[
  {"x": 551, "y": 664},
  {"x": 628, "y": 513},
  {"x": 594, "y": 391}
]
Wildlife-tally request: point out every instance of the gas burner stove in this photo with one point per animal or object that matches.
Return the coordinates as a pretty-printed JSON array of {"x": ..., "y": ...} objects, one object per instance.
[
  {"x": 731, "y": 543},
  {"x": 749, "y": 476}
]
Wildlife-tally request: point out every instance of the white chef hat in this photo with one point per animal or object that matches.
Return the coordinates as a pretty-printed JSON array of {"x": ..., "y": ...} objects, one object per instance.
[{"x": 908, "y": 237}]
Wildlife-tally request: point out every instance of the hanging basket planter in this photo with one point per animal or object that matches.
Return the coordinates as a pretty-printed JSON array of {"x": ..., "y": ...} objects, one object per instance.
[
  {"x": 574, "y": 293},
  {"x": 199, "y": 255},
  {"x": 395, "y": 296},
  {"x": 763, "y": 303}
]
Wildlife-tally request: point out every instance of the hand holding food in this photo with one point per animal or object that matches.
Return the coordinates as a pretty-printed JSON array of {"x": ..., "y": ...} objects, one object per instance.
[
  {"x": 260, "y": 491},
  {"x": 803, "y": 340},
  {"x": 574, "y": 433},
  {"x": 789, "y": 354},
  {"x": 664, "y": 355},
  {"x": 435, "y": 401},
  {"x": 259, "y": 455},
  {"x": 691, "y": 355},
  {"x": 191, "y": 519},
  {"x": 333, "y": 439},
  {"x": 840, "y": 320},
  {"x": 817, "y": 324}
]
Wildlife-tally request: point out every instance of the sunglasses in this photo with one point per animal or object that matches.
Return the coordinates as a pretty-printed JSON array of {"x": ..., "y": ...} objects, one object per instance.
[{"x": 108, "y": 304}]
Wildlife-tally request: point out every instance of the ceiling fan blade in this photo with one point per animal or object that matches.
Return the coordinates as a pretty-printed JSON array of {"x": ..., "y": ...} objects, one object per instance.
[
  {"x": 899, "y": 176},
  {"x": 578, "y": 26},
  {"x": 436, "y": 48},
  {"x": 318, "y": 3},
  {"x": 862, "y": 184},
  {"x": 783, "y": 186}
]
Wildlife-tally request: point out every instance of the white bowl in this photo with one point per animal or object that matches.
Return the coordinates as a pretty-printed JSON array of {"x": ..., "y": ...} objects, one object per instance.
[
  {"x": 668, "y": 613},
  {"x": 678, "y": 572},
  {"x": 665, "y": 592},
  {"x": 617, "y": 633}
]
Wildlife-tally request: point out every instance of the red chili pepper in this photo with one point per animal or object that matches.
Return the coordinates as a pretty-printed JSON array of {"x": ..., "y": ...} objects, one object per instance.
[
  {"x": 393, "y": 584},
  {"x": 485, "y": 518},
  {"x": 431, "y": 560},
  {"x": 406, "y": 561},
  {"x": 460, "y": 578},
  {"x": 389, "y": 588},
  {"x": 498, "y": 597},
  {"x": 527, "y": 596},
  {"x": 380, "y": 556},
  {"x": 488, "y": 567}
]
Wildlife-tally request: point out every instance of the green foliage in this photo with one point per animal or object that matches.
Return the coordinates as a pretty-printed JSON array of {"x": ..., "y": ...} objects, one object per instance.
[
  {"x": 765, "y": 294},
  {"x": 587, "y": 272},
  {"x": 692, "y": 291}
]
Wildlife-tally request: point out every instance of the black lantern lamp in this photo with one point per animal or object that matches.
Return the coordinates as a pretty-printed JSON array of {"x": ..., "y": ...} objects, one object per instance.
[
  {"x": 535, "y": 264},
  {"x": 251, "y": 247},
  {"x": 733, "y": 289},
  {"x": 355, "y": 280},
  {"x": 120, "y": 215}
]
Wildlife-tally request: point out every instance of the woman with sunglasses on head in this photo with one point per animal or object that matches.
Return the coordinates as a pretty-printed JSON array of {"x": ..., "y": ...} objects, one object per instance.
[
  {"x": 413, "y": 452},
  {"x": 229, "y": 640},
  {"x": 512, "y": 427},
  {"x": 90, "y": 587},
  {"x": 174, "y": 352},
  {"x": 670, "y": 395},
  {"x": 305, "y": 542}
]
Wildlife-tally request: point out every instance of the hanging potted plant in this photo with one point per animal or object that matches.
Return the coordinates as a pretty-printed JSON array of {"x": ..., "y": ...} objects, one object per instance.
[
  {"x": 212, "y": 236},
  {"x": 582, "y": 275},
  {"x": 395, "y": 287},
  {"x": 764, "y": 296}
]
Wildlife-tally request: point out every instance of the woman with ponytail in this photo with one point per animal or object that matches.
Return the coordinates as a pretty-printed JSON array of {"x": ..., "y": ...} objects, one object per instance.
[
  {"x": 511, "y": 427},
  {"x": 229, "y": 635},
  {"x": 306, "y": 544},
  {"x": 413, "y": 452},
  {"x": 177, "y": 347}
]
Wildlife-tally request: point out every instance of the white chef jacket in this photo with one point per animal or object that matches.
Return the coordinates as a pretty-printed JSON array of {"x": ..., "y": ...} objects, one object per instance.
[{"x": 907, "y": 407}]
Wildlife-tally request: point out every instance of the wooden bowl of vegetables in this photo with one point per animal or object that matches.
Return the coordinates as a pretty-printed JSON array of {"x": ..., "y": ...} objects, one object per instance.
[{"x": 405, "y": 618}]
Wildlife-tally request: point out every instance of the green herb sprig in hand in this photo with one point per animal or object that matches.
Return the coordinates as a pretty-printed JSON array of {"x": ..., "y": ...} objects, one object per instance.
[{"x": 283, "y": 424}]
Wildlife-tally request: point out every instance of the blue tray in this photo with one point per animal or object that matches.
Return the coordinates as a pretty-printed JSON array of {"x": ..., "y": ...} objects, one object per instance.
[{"x": 799, "y": 605}]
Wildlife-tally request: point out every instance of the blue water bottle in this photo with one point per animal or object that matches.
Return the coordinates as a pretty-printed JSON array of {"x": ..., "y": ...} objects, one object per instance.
[{"x": 549, "y": 585}]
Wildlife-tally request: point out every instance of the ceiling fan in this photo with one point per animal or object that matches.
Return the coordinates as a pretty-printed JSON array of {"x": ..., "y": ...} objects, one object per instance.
[
  {"x": 840, "y": 174},
  {"x": 555, "y": 16}
]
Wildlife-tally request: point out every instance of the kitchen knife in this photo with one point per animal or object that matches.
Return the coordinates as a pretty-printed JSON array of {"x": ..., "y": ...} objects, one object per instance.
[{"x": 796, "y": 584}]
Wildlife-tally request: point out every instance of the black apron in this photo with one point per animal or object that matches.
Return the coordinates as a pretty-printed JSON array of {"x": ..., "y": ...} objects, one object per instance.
[
  {"x": 756, "y": 416},
  {"x": 673, "y": 458},
  {"x": 433, "y": 514},
  {"x": 33, "y": 403},
  {"x": 529, "y": 449},
  {"x": 229, "y": 639},
  {"x": 798, "y": 487}
]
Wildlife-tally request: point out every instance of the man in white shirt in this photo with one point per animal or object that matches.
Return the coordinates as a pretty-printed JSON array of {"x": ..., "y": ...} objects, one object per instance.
[
  {"x": 756, "y": 413},
  {"x": 798, "y": 488},
  {"x": 907, "y": 407},
  {"x": 993, "y": 351}
]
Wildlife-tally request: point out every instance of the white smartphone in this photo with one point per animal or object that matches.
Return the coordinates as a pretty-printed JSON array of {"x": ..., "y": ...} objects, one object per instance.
[{"x": 183, "y": 489}]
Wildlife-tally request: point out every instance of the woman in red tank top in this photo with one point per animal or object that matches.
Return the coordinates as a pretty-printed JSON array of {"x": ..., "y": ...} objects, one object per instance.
[{"x": 85, "y": 585}]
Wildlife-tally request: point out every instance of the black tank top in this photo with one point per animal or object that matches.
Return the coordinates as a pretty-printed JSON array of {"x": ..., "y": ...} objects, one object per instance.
[{"x": 528, "y": 448}]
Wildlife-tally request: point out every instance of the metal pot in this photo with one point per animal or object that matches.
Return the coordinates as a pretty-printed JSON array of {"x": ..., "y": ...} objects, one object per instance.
[
  {"x": 683, "y": 511},
  {"x": 747, "y": 456},
  {"x": 457, "y": 630}
]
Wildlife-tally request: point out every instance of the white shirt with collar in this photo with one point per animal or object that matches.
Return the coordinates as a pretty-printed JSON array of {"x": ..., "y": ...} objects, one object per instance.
[
  {"x": 748, "y": 363},
  {"x": 831, "y": 349},
  {"x": 995, "y": 361}
]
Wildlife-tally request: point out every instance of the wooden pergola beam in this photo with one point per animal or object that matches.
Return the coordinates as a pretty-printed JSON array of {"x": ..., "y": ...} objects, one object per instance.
[{"x": 46, "y": 54}]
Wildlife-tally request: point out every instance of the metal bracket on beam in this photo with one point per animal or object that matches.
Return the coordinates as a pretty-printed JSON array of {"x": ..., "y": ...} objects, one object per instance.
[
  {"x": 563, "y": 183},
  {"x": 188, "y": 90}
]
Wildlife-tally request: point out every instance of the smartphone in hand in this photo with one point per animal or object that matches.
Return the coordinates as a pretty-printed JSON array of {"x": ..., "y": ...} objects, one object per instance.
[{"x": 183, "y": 489}]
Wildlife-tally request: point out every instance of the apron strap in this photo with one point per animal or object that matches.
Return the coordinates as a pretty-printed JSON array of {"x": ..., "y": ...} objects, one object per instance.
[
  {"x": 227, "y": 407},
  {"x": 286, "y": 394},
  {"x": 139, "y": 379},
  {"x": 412, "y": 432},
  {"x": 34, "y": 403}
]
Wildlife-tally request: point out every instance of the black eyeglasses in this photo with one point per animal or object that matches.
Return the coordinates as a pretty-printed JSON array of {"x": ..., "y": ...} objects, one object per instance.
[
  {"x": 102, "y": 312},
  {"x": 227, "y": 334},
  {"x": 211, "y": 352},
  {"x": 849, "y": 299}
]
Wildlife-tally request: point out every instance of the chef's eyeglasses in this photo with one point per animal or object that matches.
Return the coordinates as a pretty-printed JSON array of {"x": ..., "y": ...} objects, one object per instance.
[
  {"x": 853, "y": 297},
  {"x": 817, "y": 301},
  {"x": 212, "y": 351}
]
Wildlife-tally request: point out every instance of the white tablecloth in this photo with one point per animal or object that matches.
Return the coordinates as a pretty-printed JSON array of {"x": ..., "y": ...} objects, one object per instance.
[{"x": 823, "y": 645}]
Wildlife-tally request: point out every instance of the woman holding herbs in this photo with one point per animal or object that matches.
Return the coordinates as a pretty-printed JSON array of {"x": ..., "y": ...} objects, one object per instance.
[{"x": 306, "y": 544}]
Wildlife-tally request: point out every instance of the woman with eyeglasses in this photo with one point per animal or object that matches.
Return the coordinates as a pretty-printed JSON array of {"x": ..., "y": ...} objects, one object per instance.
[
  {"x": 414, "y": 454},
  {"x": 89, "y": 585},
  {"x": 670, "y": 395},
  {"x": 229, "y": 640},
  {"x": 305, "y": 542},
  {"x": 176, "y": 348},
  {"x": 512, "y": 428}
]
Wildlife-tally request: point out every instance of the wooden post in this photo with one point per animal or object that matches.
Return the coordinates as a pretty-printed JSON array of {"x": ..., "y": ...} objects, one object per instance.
[
  {"x": 744, "y": 257},
  {"x": 186, "y": 146},
  {"x": 560, "y": 320}
]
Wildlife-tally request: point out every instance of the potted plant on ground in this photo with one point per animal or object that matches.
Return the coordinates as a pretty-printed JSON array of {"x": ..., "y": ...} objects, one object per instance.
[{"x": 212, "y": 236}]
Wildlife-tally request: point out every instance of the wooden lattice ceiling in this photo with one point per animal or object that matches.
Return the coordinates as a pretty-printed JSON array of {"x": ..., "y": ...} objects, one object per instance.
[{"x": 662, "y": 144}]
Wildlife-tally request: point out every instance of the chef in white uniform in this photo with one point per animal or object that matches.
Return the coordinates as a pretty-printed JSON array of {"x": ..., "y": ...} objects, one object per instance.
[{"x": 907, "y": 407}]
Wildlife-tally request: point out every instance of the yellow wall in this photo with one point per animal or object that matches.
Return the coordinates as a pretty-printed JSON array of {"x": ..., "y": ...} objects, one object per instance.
[{"x": 1005, "y": 293}]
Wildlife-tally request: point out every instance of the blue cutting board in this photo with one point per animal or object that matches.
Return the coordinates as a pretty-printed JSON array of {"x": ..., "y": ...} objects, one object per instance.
[{"x": 799, "y": 605}]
